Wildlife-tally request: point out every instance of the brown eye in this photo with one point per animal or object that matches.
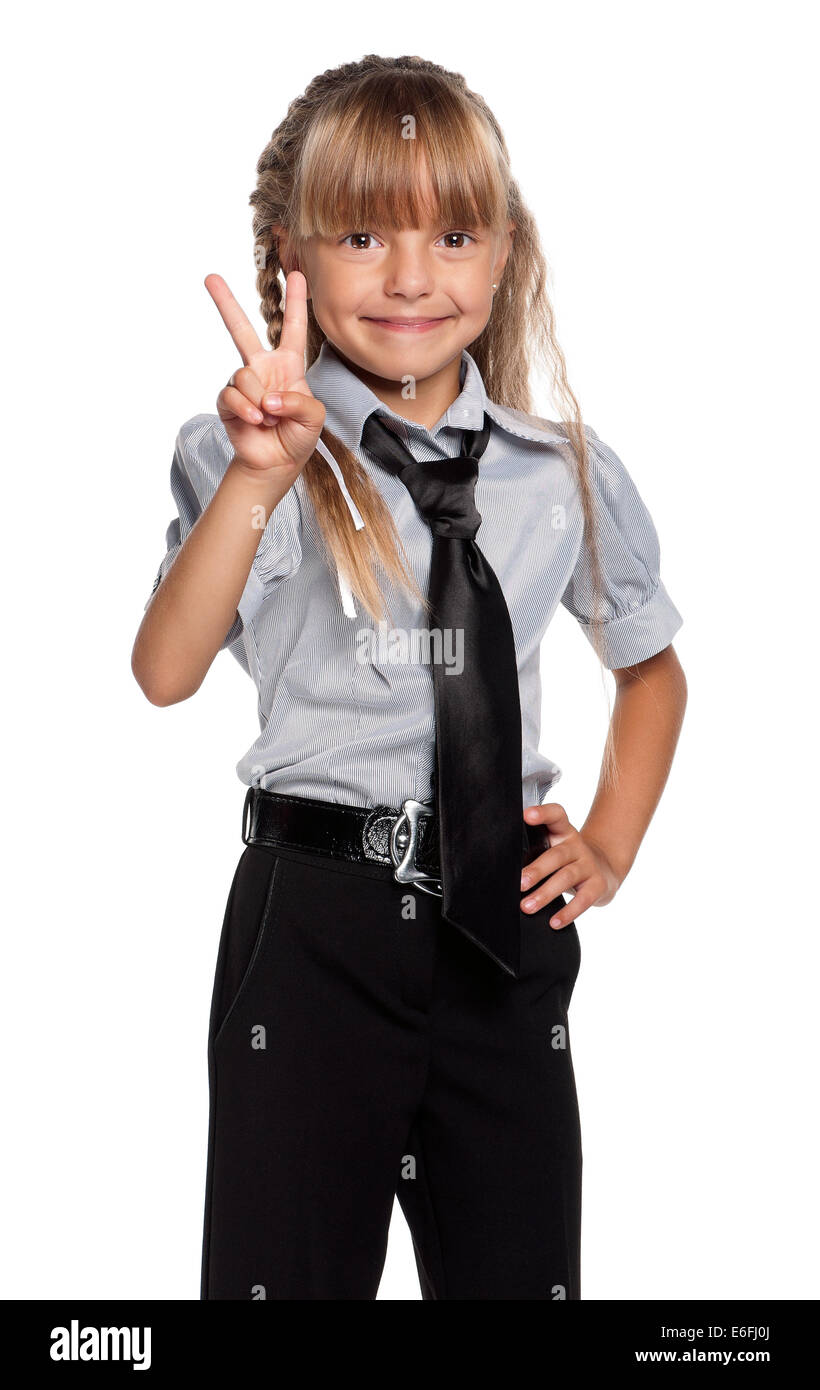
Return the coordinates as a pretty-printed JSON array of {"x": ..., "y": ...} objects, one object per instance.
[
  {"x": 449, "y": 237},
  {"x": 356, "y": 238}
]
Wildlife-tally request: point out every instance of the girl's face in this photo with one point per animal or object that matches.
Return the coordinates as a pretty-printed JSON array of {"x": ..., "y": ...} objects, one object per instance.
[{"x": 404, "y": 303}]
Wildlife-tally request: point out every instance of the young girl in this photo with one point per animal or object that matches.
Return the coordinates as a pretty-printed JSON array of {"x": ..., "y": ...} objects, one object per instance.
[{"x": 389, "y": 1013}]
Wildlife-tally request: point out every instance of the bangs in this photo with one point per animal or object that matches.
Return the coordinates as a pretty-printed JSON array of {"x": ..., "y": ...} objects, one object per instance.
[{"x": 396, "y": 152}]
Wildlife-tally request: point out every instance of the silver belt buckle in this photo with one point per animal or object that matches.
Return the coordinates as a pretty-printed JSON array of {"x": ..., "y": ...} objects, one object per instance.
[{"x": 404, "y": 839}]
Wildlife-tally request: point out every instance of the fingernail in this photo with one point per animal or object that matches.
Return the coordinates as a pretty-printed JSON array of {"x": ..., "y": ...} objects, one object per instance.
[
  {"x": 525, "y": 880},
  {"x": 528, "y": 903},
  {"x": 272, "y": 402},
  {"x": 555, "y": 921},
  {"x": 257, "y": 415}
]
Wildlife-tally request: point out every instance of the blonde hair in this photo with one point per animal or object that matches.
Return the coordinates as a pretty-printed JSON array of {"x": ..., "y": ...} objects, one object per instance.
[{"x": 329, "y": 166}]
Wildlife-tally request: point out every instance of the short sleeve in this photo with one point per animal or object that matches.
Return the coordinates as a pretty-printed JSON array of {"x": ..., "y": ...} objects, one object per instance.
[
  {"x": 202, "y": 453},
  {"x": 640, "y": 618}
]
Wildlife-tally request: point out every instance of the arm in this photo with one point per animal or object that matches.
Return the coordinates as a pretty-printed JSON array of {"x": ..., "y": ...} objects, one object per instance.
[
  {"x": 649, "y": 707},
  {"x": 594, "y": 861},
  {"x": 651, "y": 697},
  {"x": 195, "y": 605},
  {"x": 273, "y": 421}
]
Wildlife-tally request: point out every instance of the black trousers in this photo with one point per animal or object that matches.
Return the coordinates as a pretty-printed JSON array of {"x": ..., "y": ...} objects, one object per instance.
[{"x": 360, "y": 1047}]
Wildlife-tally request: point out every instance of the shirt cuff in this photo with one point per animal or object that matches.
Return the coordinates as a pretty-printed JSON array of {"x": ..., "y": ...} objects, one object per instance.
[
  {"x": 636, "y": 636},
  {"x": 167, "y": 561},
  {"x": 250, "y": 601},
  {"x": 252, "y": 596}
]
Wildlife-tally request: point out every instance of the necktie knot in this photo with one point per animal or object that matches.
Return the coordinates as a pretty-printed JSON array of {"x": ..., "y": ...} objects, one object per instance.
[{"x": 442, "y": 489}]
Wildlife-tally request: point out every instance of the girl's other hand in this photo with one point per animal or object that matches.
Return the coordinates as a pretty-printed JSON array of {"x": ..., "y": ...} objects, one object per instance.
[
  {"x": 573, "y": 862},
  {"x": 270, "y": 414}
]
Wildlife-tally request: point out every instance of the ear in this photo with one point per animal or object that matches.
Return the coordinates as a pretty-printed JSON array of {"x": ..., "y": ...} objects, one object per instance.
[{"x": 287, "y": 258}]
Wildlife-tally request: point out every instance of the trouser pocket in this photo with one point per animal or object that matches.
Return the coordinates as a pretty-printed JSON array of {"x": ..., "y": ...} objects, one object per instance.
[{"x": 249, "y": 915}]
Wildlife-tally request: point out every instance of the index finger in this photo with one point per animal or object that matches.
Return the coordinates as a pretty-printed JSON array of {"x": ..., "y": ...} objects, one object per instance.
[
  {"x": 549, "y": 813},
  {"x": 234, "y": 317}
]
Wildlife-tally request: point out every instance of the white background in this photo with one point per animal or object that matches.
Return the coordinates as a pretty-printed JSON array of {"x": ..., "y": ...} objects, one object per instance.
[{"x": 666, "y": 153}]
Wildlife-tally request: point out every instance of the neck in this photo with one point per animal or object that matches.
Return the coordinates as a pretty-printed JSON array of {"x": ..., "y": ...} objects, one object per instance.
[{"x": 434, "y": 394}]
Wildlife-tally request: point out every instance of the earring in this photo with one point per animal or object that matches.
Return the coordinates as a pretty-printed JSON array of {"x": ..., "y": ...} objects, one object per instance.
[{"x": 495, "y": 287}]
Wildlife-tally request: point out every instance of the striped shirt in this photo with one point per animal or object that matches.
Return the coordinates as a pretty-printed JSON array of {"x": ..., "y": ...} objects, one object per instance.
[{"x": 346, "y": 713}]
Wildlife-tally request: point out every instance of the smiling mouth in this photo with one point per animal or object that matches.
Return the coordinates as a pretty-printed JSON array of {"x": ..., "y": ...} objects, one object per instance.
[{"x": 407, "y": 323}]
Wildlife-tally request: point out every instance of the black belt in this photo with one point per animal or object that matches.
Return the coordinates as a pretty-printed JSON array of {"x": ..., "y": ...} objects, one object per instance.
[{"x": 407, "y": 838}]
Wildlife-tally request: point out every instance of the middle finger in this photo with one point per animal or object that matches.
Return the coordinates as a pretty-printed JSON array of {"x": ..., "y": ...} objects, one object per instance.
[{"x": 553, "y": 858}]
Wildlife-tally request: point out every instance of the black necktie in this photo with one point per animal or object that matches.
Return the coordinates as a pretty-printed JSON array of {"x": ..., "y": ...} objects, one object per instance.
[{"x": 478, "y": 712}]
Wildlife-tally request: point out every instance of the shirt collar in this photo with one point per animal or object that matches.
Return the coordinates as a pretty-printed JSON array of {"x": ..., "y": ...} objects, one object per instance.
[{"x": 348, "y": 402}]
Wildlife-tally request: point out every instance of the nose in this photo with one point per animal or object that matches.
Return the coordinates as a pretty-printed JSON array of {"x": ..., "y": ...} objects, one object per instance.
[{"x": 409, "y": 273}]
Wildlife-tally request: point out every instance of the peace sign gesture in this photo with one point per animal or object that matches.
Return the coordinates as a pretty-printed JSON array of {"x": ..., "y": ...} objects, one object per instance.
[{"x": 269, "y": 412}]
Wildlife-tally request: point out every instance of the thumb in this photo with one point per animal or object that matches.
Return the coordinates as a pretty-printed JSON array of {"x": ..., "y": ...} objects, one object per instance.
[{"x": 296, "y": 406}]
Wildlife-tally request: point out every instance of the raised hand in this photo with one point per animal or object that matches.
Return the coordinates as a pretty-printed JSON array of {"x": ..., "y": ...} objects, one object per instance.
[{"x": 269, "y": 412}]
